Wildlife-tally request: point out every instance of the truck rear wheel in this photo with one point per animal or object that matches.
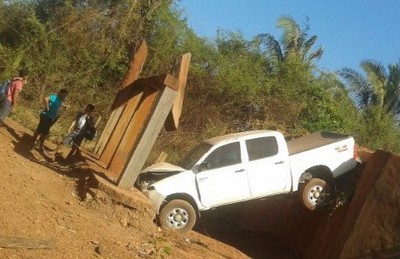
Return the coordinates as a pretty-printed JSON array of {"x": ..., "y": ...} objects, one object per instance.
[
  {"x": 179, "y": 215},
  {"x": 315, "y": 193}
]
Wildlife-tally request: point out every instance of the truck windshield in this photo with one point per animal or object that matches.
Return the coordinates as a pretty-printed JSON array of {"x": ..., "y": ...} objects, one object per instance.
[{"x": 194, "y": 155}]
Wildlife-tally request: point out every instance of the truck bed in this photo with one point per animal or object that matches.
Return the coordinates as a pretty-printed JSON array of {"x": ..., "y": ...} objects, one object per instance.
[{"x": 314, "y": 140}]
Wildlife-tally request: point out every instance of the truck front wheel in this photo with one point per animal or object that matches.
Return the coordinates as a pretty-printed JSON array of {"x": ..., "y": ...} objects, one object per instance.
[
  {"x": 179, "y": 215},
  {"x": 315, "y": 193}
]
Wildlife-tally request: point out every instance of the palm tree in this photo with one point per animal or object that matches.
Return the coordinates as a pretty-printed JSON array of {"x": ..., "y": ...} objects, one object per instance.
[
  {"x": 379, "y": 88},
  {"x": 295, "y": 42}
]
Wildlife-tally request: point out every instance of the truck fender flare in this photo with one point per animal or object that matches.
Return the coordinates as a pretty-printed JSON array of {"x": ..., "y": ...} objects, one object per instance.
[
  {"x": 182, "y": 196},
  {"x": 321, "y": 172},
  {"x": 305, "y": 176}
]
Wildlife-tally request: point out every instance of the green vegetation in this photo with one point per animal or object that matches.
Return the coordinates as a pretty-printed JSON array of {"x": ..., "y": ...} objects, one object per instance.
[
  {"x": 234, "y": 84},
  {"x": 378, "y": 98}
]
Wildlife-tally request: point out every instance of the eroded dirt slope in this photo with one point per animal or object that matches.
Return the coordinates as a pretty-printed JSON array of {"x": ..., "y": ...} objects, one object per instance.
[{"x": 43, "y": 204}]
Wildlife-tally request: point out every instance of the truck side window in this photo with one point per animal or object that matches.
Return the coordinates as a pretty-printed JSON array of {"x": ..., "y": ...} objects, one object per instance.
[
  {"x": 261, "y": 147},
  {"x": 224, "y": 156}
]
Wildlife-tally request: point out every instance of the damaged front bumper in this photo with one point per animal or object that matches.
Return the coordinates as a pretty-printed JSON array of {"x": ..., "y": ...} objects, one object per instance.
[{"x": 155, "y": 197}]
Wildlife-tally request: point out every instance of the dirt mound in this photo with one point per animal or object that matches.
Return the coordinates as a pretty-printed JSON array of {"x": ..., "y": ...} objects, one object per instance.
[
  {"x": 375, "y": 228},
  {"x": 368, "y": 226}
]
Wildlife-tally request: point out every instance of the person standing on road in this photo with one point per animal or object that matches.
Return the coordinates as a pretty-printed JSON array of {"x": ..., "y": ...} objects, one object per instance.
[
  {"x": 12, "y": 95},
  {"x": 78, "y": 130},
  {"x": 52, "y": 104}
]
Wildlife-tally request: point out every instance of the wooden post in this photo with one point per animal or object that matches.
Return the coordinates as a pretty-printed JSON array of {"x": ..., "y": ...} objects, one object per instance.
[
  {"x": 161, "y": 157},
  {"x": 140, "y": 110},
  {"x": 132, "y": 120},
  {"x": 27, "y": 243},
  {"x": 147, "y": 139},
  {"x": 157, "y": 117},
  {"x": 181, "y": 70},
  {"x": 120, "y": 128},
  {"x": 136, "y": 65}
]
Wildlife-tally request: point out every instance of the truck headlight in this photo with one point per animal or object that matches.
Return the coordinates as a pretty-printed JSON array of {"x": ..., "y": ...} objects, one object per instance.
[{"x": 150, "y": 188}]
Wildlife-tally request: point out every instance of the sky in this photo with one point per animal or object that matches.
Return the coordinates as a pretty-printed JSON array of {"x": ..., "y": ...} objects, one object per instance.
[{"x": 350, "y": 31}]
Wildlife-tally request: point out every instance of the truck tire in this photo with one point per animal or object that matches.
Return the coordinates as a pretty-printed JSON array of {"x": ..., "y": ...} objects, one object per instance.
[
  {"x": 315, "y": 193},
  {"x": 179, "y": 215}
]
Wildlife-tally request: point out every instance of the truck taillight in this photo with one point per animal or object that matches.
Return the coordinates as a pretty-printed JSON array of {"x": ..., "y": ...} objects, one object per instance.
[{"x": 355, "y": 152}]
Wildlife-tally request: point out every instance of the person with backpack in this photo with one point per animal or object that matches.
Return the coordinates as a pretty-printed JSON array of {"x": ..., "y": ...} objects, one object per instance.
[
  {"x": 48, "y": 116},
  {"x": 11, "y": 94},
  {"x": 81, "y": 128}
]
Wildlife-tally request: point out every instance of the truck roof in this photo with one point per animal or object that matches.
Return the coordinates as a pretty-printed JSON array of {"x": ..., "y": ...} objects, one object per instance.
[{"x": 235, "y": 136}]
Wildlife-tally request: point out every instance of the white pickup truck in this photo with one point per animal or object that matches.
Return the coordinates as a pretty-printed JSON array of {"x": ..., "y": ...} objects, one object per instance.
[{"x": 245, "y": 166}]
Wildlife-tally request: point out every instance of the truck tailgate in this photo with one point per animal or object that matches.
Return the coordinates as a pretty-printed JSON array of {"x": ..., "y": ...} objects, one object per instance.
[{"x": 314, "y": 140}]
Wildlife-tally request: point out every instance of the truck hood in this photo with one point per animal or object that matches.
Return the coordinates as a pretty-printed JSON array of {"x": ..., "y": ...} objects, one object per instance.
[
  {"x": 163, "y": 167},
  {"x": 156, "y": 172}
]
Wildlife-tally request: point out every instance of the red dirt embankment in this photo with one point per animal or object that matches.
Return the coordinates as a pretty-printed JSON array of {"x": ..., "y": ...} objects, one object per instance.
[
  {"x": 41, "y": 200},
  {"x": 366, "y": 226},
  {"x": 48, "y": 211}
]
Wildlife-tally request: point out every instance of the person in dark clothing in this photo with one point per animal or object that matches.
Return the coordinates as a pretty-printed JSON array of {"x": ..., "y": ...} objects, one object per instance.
[
  {"x": 49, "y": 115},
  {"x": 78, "y": 130}
]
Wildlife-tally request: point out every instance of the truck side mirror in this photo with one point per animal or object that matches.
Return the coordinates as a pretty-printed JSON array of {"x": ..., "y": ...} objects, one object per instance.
[{"x": 203, "y": 167}]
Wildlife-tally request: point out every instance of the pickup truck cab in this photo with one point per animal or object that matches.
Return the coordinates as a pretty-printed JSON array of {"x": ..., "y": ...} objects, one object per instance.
[{"x": 245, "y": 166}]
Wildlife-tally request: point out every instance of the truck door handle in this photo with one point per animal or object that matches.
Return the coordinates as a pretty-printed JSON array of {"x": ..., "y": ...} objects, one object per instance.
[
  {"x": 239, "y": 171},
  {"x": 203, "y": 178},
  {"x": 279, "y": 162}
]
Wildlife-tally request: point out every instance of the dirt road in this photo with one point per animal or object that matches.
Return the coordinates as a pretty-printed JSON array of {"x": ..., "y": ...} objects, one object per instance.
[{"x": 42, "y": 208}]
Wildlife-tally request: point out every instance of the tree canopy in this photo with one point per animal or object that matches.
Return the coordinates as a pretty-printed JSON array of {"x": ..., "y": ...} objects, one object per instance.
[
  {"x": 234, "y": 84},
  {"x": 379, "y": 87},
  {"x": 295, "y": 42}
]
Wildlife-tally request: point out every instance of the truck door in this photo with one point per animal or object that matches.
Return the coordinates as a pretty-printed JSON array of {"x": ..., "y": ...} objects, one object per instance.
[
  {"x": 268, "y": 169},
  {"x": 225, "y": 180}
]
